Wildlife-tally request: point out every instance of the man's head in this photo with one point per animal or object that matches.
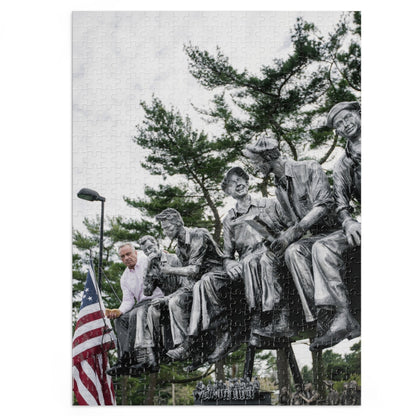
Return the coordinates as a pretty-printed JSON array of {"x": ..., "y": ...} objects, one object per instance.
[
  {"x": 235, "y": 183},
  {"x": 128, "y": 255},
  {"x": 345, "y": 118},
  {"x": 262, "y": 152},
  {"x": 171, "y": 222},
  {"x": 149, "y": 245}
]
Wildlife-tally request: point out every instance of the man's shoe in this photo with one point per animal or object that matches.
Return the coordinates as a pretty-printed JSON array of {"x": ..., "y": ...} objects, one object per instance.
[
  {"x": 222, "y": 349},
  {"x": 328, "y": 340},
  {"x": 340, "y": 329},
  {"x": 179, "y": 353},
  {"x": 137, "y": 370},
  {"x": 118, "y": 369},
  {"x": 325, "y": 317},
  {"x": 254, "y": 340},
  {"x": 355, "y": 328}
]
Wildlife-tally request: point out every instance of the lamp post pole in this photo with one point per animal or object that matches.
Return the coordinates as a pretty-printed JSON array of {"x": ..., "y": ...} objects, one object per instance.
[
  {"x": 100, "y": 258},
  {"x": 90, "y": 195}
]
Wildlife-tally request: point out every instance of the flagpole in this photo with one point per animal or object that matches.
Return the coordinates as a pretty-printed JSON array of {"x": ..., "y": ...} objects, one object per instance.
[{"x": 100, "y": 259}]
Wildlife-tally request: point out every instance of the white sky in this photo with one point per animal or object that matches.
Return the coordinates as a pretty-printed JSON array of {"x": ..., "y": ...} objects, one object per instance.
[
  {"x": 37, "y": 192},
  {"x": 120, "y": 59}
]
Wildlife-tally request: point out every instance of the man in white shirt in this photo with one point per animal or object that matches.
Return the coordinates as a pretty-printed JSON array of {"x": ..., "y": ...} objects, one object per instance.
[{"x": 133, "y": 307}]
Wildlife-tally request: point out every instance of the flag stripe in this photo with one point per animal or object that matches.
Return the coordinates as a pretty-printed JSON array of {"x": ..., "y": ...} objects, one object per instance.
[
  {"x": 88, "y": 318},
  {"x": 85, "y": 394},
  {"x": 97, "y": 332},
  {"x": 89, "y": 367}
]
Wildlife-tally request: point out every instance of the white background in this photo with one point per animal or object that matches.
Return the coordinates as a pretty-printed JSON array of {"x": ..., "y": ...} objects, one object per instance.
[{"x": 35, "y": 74}]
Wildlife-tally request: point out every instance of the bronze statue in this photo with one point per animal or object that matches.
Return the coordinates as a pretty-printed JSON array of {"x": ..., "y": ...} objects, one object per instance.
[
  {"x": 332, "y": 397},
  {"x": 330, "y": 253},
  {"x": 297, "y": 399},
  {"x": 257, "y": 266},
  {"x": 201, "y": 260},
  {"x": 309, "y": 395},
  {"x": 161, "y": 309},
  {"x": 284, "y": 396}
]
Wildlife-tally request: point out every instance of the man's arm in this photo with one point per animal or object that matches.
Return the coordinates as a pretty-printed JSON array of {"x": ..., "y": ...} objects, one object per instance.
[
  {"x": 343, "y": 184},
  {"x": 322, "y": 201},
  {"x": 126, "y": 304},
  {"x": 196, "y": 257},
  {"x": 231, "y": 266}
]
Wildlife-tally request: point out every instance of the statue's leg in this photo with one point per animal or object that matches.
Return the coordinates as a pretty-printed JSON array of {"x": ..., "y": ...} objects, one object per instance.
[
  {"x": 329, "y": 265},
  {"x": 298, "y": 258}
]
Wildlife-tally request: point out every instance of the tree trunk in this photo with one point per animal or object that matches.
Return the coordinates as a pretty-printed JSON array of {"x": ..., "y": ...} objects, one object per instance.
[
  {"x": 124, "y": 390},
  {"x": 234, "y": 370},
  {"x": 150, "y": 396},
  {"x": 219, "y": 370},
  {"x": 217, "y": 218},
  {"x": 282, "y": 365},
  {"x": 173, "y": 394},
  {"x": 318, "y": 373}
]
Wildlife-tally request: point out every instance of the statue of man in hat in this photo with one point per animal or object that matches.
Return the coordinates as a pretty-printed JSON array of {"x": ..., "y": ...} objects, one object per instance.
[
  {"x": 247, "y": 227},
  {"x": 305, "y": 196},
  {"x": 331, "y": 252}
]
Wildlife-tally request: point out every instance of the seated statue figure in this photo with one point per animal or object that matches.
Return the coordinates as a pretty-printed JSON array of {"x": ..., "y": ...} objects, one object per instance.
[
  {"x": 247, "y": 228},
  {"x": 163, "y": 309},
  {"x": 201, "y": 264}
]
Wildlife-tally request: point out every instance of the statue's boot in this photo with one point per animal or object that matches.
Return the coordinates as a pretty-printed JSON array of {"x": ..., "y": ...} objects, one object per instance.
[
  {"x": 181, "y": 352},
  {"x": 325, "y": 317},
  {"x": 342, "y": 326},
  {"x": 138, "y": 362},
  {"x": 153, "y": 360},
  {"x": 121, "y": 367},
  {"x": 222, "y": 349},
  {"x": 283, "y": 326}
]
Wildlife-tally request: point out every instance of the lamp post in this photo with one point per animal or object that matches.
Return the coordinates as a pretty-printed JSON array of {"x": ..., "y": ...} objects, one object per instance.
[{"x": 90, "y": 195}]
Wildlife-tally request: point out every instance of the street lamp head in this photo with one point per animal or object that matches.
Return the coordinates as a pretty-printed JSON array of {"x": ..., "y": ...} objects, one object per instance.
[{"x": 90, "y": 195}]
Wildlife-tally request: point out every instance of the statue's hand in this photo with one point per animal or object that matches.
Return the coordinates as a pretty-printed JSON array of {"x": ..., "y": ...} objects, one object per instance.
[
  {"x": 235, "y": 271},
  {"x": 159, "y": 301},
  {"x": 165, "y": 269},
  {"x": 286, "y": 238},
  {"x": 352, "y": 231},
  {"x": 279, "y": 245}
]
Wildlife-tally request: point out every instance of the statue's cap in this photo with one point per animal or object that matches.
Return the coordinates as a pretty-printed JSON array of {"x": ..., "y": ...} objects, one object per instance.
[
  {"x": 337, "y": 108},
  {"x": 263, "y": 143},
  {"x": 237, "y": 170}
]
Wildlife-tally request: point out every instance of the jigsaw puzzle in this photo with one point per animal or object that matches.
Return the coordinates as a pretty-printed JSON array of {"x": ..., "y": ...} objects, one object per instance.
[{"x": 216, "y": 208}]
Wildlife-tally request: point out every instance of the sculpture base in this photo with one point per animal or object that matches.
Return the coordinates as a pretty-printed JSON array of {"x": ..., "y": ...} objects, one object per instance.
[{"x": 264, "y": 398}]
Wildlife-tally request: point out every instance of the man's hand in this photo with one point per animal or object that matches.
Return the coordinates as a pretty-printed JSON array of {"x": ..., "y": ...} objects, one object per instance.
[
  {"x": 165, "y": 269},
  {"x": 352, "y": 231},
  {"x": 159, "y": 301},
  {"x": 234, "y": 271},
  {"x": 286, "y": 238},
  {"x": 112, "y": 313}
]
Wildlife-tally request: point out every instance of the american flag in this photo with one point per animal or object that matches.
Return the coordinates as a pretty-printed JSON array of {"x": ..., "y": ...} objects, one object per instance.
[{"x": 93, "y": 337}]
